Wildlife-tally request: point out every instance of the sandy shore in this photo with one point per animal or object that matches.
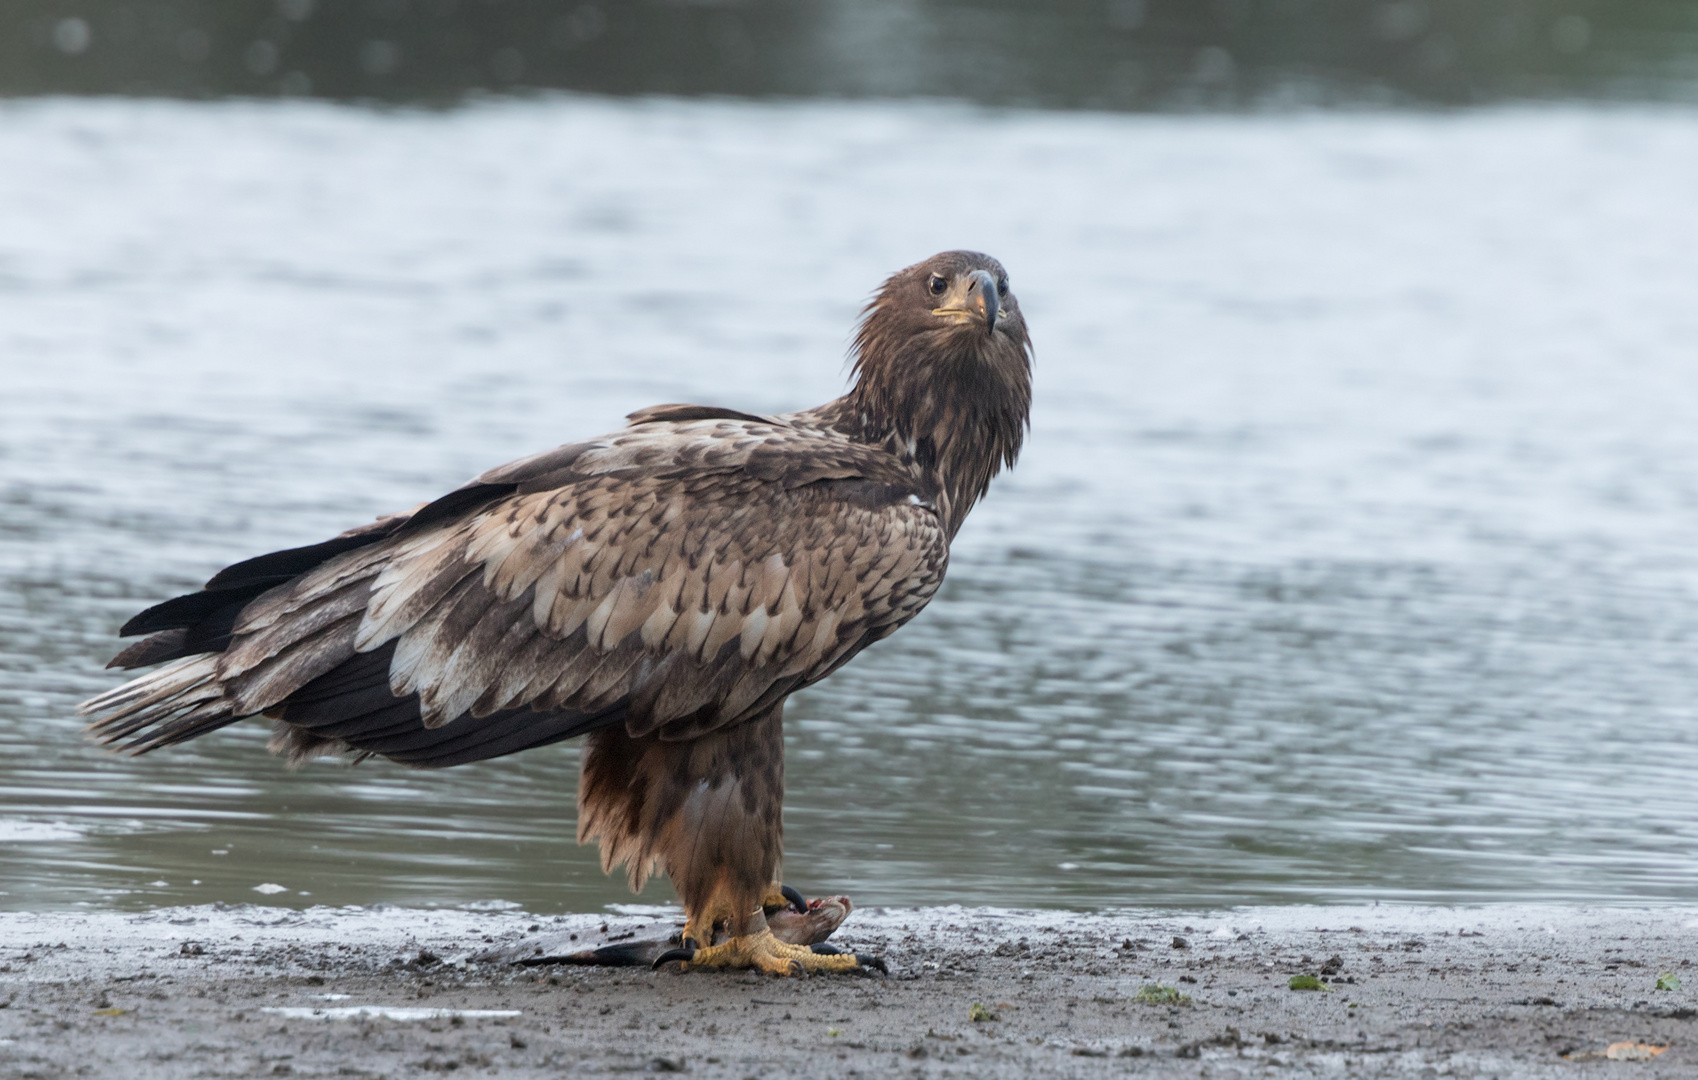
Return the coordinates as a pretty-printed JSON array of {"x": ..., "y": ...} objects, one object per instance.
[{"x": 254, "y": 991}]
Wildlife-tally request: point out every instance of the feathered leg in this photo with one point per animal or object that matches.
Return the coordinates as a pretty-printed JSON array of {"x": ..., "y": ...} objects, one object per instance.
[{"x": 708, "y": 811}]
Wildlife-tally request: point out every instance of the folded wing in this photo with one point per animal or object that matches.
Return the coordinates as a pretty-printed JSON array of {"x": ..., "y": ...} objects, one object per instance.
[{"x": 680, "y": 576}]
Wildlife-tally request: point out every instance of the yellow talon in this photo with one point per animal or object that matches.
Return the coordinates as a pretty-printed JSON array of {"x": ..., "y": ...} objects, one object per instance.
[{"x": 761, "y": 951}]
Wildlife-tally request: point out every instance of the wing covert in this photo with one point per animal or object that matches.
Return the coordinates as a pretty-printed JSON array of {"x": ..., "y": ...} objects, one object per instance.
[{"x": 681, "y": 592}]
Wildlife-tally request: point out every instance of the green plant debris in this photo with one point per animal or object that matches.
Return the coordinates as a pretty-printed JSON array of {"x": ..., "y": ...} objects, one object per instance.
[
  {"x": 1668, "y": 980},
  {"x": 1157, "y": 994},
  {"x": 832, "y": 1033},
  {"x": 978, "y": 1014},
  {"x": 1308, "y": 982}
]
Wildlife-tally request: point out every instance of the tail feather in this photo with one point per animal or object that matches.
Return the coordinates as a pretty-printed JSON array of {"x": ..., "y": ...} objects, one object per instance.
[
  {"x": 174, "y": 678},
  {"x": 191, "y": 725},
  {"x": 180, "y": 700}
]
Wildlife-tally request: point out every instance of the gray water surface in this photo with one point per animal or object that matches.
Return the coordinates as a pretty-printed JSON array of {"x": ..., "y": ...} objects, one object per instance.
[{"x": 1352, "y": 556}]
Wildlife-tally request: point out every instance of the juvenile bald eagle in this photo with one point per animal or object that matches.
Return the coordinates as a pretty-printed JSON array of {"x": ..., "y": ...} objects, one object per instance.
[{"x": 660, "y": 590}]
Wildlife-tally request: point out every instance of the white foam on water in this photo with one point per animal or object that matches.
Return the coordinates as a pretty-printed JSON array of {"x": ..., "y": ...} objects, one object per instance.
[
  {"x": 653, "y": 911},
  {"x": 14, "y": 831},
  {"x": 403, "y": 1013}
]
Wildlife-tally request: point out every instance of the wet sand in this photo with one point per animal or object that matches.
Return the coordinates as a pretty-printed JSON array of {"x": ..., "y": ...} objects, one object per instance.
[{"x": 253, "y": 991}]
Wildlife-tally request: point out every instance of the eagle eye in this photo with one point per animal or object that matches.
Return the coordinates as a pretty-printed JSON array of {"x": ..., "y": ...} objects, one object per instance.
[
  {"x": 1002, "y": 285},
  {"x": 937, "y": 284}
]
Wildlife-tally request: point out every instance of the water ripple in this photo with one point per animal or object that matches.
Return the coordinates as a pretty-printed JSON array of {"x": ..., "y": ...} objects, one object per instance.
[{"x": 1350, "y": 559}]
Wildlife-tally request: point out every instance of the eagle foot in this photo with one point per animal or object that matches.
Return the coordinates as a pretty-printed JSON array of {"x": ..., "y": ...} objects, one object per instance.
[
  {"x": 792, "y": 920},
  {"x": 761, "y": 951}
]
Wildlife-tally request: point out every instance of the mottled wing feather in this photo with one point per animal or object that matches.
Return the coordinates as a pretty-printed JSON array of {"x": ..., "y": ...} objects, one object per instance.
[
  {"x": 684, "y": 574},
  {"x": 691, "y": 607}
]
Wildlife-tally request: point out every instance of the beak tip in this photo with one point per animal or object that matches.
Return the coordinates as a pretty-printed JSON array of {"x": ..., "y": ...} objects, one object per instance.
[{"x": 990, "y": 300}]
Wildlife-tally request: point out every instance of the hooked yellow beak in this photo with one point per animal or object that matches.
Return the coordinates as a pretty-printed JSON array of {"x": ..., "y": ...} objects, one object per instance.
[{"x": 972, "y": 297}]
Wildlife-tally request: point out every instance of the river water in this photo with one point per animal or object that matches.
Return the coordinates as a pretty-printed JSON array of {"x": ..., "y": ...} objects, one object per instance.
[{"x": 1352, "y": 556}]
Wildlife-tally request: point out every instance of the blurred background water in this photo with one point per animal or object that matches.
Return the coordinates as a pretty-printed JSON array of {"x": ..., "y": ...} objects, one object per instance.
[
  {"x": 1351, "y": 556},
  {"x": 1117, "y": 54}
]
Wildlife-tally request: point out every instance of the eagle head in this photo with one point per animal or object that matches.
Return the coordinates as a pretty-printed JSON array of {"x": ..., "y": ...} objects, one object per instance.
[
  {"x": 954, "y": 303},
  {"x": 943, "y": 365}
]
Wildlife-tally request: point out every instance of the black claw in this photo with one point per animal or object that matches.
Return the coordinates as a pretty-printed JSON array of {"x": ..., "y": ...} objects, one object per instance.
[
  {"x": 826, "y": 950},
  {"x": 872, "y": 963},
  {"x": 682, "y": 955},
  {"x": 797, "y": 900}
]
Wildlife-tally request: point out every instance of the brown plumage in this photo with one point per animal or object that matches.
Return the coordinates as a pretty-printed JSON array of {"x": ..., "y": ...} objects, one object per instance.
[{"x": 661, "y": 590}]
